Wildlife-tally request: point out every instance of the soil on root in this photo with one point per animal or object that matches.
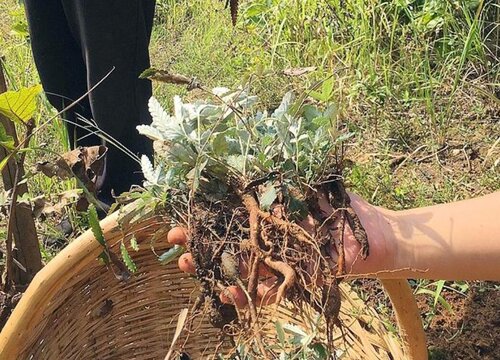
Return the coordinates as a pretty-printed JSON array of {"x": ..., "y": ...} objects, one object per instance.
[{"x": 225, "y": 231}]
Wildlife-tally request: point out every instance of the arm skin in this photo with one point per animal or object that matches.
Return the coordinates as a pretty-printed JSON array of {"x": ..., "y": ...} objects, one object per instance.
[{"x": 456, "y": 241}]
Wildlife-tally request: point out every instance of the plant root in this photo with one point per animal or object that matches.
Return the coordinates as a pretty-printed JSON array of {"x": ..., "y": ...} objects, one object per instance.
[{"x": 222, "y": 232}]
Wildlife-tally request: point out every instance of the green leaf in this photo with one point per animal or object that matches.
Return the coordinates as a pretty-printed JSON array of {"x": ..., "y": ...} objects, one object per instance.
[
  {"x": 297, "y": 208},
  {"x": 320, "y": 351},
  {"x": 220, "y": 145},
  {"x": 267, "y": 198},
  {"x": 95, "y": 226},
  {"x": 5, "y": 160},
  {"x": 195, "y": 173},
  {"x": 326, "y": 91},
  {"x": 318, "y": 96},
  {"x": 321, "y": 121},
  {"x": 255, "y": 10},
  {"x": 127, "y": 259},
  {"x": 280, "y": 332},
  {"x": 6, "y": 140},
  {"x": 311, "y": 112},
  {"x": 147, "y": 73},
  {"x": 20, "y": 28},
  {"x": 439, "y": 288},
  {"x": 237, "y": 162},
  {"x": 133, "y": 244},
  {"x": 104, "y": 258},
  {"x": 327, "y": 87},
  {"x": 19, "y": 105},
  {"x": 172, "y": 254}
]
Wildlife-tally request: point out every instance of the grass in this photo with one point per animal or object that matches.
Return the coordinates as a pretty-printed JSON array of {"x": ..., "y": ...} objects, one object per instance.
[{"x": 417, "y": 81}]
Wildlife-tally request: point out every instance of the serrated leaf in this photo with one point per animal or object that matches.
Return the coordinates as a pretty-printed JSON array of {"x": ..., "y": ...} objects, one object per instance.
[
  {"x": 127, "y": 259},
  {"x": 164, "y": 127},
  {"x": 6, "y": 140},
  {"x": 171, "y": 254},
  {"x": 148, "y": 170},
  {"x": 20, "y": 105},
  {"x": 95, "y": 226},
  {"x": 150, "y": 132},
  {"x": 158, "y": 115},
  {"x": 267, "y": 198},
  {"x": 133, "y": 244}
]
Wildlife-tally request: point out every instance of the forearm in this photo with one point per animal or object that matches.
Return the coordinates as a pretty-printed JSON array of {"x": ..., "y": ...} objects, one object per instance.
[{"x": 453, "y": 241}]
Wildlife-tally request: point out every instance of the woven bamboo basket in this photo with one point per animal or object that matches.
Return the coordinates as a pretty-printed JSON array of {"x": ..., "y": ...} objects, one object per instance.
[{"x": 76, "y": 308}]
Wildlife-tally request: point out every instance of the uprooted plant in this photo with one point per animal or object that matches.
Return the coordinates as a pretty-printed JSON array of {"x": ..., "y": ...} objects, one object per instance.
[{"x": 241, "y": 182}]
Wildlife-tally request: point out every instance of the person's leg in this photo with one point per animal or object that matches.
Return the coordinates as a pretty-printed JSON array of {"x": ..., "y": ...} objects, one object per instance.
[
  {"x": 59, "y": 62},
  {"x": 114, "y": 35}
]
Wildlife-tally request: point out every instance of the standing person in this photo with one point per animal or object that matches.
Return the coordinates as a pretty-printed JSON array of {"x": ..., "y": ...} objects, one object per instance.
[{"x": 76, "y": 43}]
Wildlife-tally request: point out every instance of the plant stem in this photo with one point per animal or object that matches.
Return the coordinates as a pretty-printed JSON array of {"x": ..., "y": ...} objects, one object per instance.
[{"x": 30, "y": 125}]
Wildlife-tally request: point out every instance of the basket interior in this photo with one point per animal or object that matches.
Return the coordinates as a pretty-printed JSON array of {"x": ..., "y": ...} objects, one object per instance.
[{"x": 96, "y": 316}]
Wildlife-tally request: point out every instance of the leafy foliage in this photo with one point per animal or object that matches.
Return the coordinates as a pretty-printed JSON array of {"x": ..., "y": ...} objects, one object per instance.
[
  {"x": 6, "y": 140},
  {"x": 19, "y": 105},
  {"x": 95, "y": 226},
  {"x": 207, "y": 143},
  {"x": 127, "y": 259},
  {"x": 133, "y": 244},
  {"x": 171, "y": 254}
]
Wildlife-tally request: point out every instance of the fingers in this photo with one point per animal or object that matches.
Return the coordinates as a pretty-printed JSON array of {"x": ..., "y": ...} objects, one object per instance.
[
  {"x": 266, "y": 290},
  {"x": 244, "y": 267},
  {"x": 234, "y": 295},
  {"x": 177, "y": 236},
  {"x": 266, "y": 294},
  {"x": 186, "y": 263}
]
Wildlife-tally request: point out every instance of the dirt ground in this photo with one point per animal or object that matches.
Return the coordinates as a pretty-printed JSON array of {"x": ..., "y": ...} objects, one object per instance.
[{"x": 470, "y": 331}]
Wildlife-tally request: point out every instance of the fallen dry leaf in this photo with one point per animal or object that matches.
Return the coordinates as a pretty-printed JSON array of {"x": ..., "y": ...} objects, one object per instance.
[
  {"x": 299, "y": 71},
  {"x": 85, "y": 163},
  {"x": 46, "y": 207}
]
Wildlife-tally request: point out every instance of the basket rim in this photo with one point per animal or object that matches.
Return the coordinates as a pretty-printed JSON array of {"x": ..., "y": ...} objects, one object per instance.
[
  {"x": 85, "y": 249},
  {"x": 52, "y": 278}
]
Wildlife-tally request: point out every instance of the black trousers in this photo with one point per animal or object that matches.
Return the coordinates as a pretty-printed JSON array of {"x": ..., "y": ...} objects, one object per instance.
[{"x": 75, "y": 44}]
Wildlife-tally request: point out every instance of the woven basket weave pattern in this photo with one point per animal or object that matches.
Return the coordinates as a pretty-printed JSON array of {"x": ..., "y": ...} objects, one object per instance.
[{"x": 87, "y": 313}]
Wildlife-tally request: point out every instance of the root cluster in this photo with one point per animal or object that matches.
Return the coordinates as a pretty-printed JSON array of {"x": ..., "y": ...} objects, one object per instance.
[{"x": 300, "y": 262}]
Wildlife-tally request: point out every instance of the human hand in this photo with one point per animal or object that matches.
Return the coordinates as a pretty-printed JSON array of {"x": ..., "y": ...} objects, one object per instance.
[{"x": 380, "y": 258}]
